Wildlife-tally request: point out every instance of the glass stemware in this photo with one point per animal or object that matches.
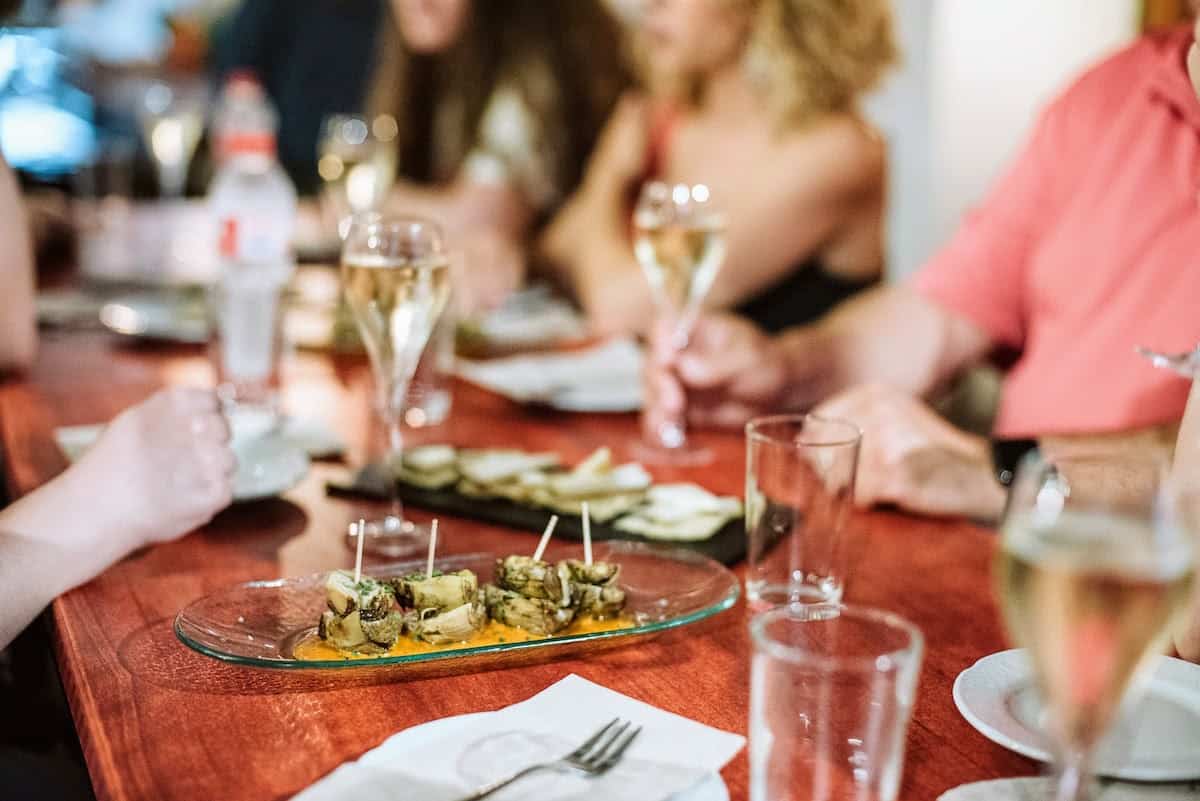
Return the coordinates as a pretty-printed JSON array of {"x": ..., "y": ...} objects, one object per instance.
[
  {"x": 680, "y": 244},
  {"x": 396, "y": 282},
  {"x": 1095, "y": 562},
  {"x": 172, "y": 119},
  {"x": 357, "y": 163}
]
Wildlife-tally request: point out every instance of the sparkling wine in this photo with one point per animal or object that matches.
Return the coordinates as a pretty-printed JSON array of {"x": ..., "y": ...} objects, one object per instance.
[
  {"x": 396, "y": 303},
  {"x": 680, "y": 260},
  {"x": 1091, "y": 612}
]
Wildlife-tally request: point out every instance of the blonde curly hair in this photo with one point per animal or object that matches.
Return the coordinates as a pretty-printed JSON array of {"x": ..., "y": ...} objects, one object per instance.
[{"x": 813, "y": 58}]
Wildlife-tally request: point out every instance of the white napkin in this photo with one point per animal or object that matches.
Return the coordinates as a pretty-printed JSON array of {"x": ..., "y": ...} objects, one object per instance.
[
  {"x": 532, "y": 316},
  {"x": 671, "y": 754},
  {"x": 605, "y": 378},
  {"x": 1039, "y": 789}
]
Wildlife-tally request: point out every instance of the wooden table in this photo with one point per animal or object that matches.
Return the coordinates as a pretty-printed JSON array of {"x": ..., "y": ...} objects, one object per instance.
[{"x": 158, "y": 721}]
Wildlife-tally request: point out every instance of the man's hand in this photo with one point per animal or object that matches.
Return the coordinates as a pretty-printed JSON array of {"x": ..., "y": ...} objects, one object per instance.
[{"x": 914, "y": 459}]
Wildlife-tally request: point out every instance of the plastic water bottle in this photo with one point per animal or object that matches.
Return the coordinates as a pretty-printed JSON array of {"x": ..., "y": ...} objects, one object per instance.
[{"x": 252, "y": 204}]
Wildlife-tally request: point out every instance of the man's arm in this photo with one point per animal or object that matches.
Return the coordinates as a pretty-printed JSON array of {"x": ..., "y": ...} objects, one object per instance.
[
  {"x": 18, "y": 325},
  {"x": 1187, "y": 475}
]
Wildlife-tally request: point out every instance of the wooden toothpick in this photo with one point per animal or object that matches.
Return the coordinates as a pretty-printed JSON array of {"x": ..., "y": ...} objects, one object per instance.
[
  {"x": 362, "y": 530},
  {"x": 587, "y": 535},
  {"x": 432, "y": 549},
  {"x": 537, "y": 555}
]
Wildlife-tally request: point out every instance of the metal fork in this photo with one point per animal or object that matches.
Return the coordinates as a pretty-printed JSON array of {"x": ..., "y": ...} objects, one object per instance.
[{"x": 597, "y": 754}]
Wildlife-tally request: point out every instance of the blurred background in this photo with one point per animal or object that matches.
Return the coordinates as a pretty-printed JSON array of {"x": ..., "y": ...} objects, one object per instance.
[{"x": 73, "y": 76}]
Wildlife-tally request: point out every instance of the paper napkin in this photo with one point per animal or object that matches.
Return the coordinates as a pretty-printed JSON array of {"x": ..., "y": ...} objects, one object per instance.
[
  {"x": 602, "y": 379},
  {"x": 672, "y": 754}
]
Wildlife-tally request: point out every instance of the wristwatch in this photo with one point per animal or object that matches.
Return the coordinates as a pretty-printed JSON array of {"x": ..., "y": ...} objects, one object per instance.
[{"x": 1006, "y": 455}]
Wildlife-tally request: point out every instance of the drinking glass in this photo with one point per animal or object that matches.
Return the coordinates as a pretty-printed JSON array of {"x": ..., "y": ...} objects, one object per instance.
[
  {"x": 103, "y": 210},
  {"x": 800, "y": 472},
  {"x": 679, "y": 241},
  {"x": 356, "y": 162},
  {"x": 172, "y": 119},
  {"x": 396, "y": 282},
  {"x": 831, "y": 693},
  {"x": 1094, "y": 563}
]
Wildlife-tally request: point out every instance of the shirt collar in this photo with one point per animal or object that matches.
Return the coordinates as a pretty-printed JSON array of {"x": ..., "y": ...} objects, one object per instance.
[{"x": 1169, "y": 81}]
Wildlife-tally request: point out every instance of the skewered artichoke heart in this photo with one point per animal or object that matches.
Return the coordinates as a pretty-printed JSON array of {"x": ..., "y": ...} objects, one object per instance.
[
  {"x": 534, "y": 579},
  {"x": 343, "y": 595},
  {"x": 341, "y": 632},
  {"x": 383, "y": 631},
  {"x": 456, "y": 625},
  {"x": 596, "y": 586},
  {"x": 440, "y": 592},
  {"x": 535, "y": 615}
]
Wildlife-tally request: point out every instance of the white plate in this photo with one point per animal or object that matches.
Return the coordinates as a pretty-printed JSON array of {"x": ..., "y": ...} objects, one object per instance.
[
  {"x": 710, "y": 789},
  {"x": 157, "y": 317},
  {"x": 1157, "y": 738},
  {"x": 267, "y": 466}
]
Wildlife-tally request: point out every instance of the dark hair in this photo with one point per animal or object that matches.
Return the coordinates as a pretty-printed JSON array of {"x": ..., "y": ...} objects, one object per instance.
[
  {"x": 572, "y": 45},
  {"x": 9, "y": 7}
]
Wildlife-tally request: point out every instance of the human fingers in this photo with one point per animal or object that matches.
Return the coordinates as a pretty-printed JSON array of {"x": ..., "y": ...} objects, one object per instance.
[{"x": 722, "y": 350}]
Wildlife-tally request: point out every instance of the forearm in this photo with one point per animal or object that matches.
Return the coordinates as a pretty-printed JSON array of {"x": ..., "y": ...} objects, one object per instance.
[
  {"x": 588, "y": 250},
  {"x": 889, "y": 335},
  {"x": 18, "y": 328},
  {"x": 49, "y": 545},
  {"x": 1187, "y": 448},
  {"x": 461, "y": 207}
]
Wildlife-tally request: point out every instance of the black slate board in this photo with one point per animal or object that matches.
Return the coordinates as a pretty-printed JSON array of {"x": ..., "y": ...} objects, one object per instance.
[{"x": 727, "y": 546}]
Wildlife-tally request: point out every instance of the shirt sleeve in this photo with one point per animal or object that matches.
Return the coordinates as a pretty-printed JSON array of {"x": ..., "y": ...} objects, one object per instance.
[{"x": 981, "y": 274}]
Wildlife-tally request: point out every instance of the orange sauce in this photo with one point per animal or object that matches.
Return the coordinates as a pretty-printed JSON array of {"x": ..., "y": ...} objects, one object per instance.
[{"x": 313, "y": 648}]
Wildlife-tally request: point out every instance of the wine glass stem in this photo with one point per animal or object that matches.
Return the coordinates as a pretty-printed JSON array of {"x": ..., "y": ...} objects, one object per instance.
[
  {"x": 395, "y": 456},
  {"x": 1073, "y": 777},
  {"x": 670, "y": 430}
]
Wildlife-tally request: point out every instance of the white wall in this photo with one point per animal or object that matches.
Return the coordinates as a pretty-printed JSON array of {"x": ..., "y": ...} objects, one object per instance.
[{"x": 975, "y": 74}]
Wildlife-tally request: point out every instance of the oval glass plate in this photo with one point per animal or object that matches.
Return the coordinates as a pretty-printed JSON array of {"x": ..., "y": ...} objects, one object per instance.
[{"x": 259, "y": 623}]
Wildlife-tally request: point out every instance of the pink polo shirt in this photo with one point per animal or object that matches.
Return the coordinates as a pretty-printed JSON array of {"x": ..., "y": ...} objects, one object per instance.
[{"x": 1089, "y": 246}]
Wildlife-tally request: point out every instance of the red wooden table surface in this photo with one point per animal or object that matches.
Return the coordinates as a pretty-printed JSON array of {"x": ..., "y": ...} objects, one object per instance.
[{"x": 159, "y": 721}]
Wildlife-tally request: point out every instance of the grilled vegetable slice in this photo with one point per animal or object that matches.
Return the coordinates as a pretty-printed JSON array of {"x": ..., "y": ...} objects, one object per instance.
[
  {"x": 600, "y": 601},
  {"x": 596, "y": 573},
  {"x": 383, "y": 631},
  {"x": 441, "y": 592},
  {"x": 456, "y": 625},
  {"x": 344, "y": 596},
  {"x": 344, "y": 632},
  {"x": 535, "y": 615},
  {"x": 534, "y": 579}
]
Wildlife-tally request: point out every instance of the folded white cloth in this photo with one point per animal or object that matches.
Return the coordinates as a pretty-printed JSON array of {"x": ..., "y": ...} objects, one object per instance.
[
  {"x": 1039, "y": 790},
  {"x": 671, "y": 754},
  {"x": 605, "y": 378}
]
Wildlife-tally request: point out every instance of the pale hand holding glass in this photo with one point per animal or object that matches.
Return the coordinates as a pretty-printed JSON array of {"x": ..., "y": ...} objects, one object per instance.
[
  {"x": 1096, "y": 561},
  {"x": 680, "y": 244},
  {"x": 396, "y": 281}
]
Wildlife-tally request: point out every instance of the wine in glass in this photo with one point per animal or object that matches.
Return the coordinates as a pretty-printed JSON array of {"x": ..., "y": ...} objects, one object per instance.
[
  {"x": 396, "y": 282},
  {"x": 172, "y": 120},
  {"x": 679, "y": 240},
  {"x": 1094, "y": 564}
]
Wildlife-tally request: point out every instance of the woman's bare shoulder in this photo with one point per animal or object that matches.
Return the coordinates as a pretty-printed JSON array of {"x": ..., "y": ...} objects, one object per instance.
[{"x": 842, "y": 154}]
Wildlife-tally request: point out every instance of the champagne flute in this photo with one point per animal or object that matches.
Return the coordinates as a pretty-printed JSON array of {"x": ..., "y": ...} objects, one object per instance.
[
  {"x": 356, "y": 162},
  {"x": 396, "y": 281},
  {"x": 172, "y": 119},
  {"x": 1094, "y": 563},
  {"x": 679, "y": 241}
]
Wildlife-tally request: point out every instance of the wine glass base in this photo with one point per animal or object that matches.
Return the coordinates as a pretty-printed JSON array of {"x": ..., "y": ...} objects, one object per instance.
[
  {"x": 683, "y": 456},
  {"x": 390, "y": 536}
]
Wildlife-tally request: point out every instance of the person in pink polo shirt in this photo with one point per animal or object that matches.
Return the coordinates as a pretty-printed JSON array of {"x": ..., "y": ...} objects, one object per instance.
[{"x": 1087, "y": 247}]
